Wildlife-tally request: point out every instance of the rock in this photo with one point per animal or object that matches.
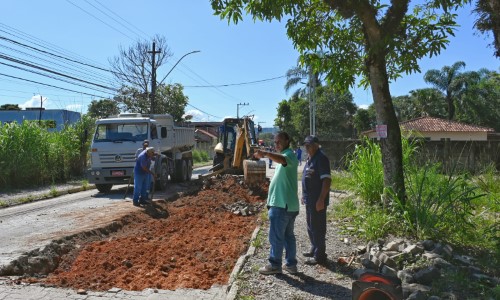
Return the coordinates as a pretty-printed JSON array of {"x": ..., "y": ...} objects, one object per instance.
[
  {"x": 409, "y": 289},
  {"x": 433, "y": 298},
  {"x": 385, "y": 259},
  {"x": 427, "y": 276},
  {"x": 81, "y": 292},
  {"x": 441, "y": 263},
  {"x": 405, "y": 276},
  {"x": 369, "y": 264},
  {"x": 393, "y": 246},
  {"x": 430, "y": 255},
  {"x": 114, "y": 290},
  {"x": 413, "y": 250},
  {"x": 361, "y": 249},
  {"x": 386, "y": 270},
  {"x": 428, "y": 245},
  {"x": 417, "y": 295},
  {"x": 463, "y": 259}
]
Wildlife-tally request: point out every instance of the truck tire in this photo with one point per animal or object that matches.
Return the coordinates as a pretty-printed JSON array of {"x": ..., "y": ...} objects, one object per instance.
[
  {"x": 104, "y": 188},
  {"x": 189, "y": 169},
  {"x": 179, "y": 170},
  {"x": 163, "y": 181}
]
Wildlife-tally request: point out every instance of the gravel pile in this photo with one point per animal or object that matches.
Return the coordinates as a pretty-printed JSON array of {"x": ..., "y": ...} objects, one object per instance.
[{"x": 332, "y": 281}]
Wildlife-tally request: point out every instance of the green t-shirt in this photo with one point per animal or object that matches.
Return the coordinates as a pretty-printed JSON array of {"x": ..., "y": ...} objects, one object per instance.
[{"x": 283, "y": 187}]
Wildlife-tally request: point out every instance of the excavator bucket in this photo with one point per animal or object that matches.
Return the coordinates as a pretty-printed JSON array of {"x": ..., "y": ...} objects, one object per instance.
[{"x": 254, "y": 171}]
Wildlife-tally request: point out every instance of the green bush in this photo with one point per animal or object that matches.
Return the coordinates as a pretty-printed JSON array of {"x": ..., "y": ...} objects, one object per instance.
[
  {"x": 200, "y": 156},
  {"x": 30, "y": 155}
]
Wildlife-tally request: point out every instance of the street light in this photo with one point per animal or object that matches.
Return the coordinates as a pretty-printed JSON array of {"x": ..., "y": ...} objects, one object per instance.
[
  {"x": 154, "y": 82},
  {"x": 196, "y": 51},
  {"x": 238, "y": 109}
]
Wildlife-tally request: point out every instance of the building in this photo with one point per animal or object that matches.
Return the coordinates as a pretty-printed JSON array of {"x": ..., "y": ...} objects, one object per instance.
[
  {"x": 58, "y": 117},
  {"x": 436, "y": 129}
]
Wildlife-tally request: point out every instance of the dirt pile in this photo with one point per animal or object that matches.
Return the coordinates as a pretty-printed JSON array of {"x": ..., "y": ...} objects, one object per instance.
[{"x": 192, "y": 242}]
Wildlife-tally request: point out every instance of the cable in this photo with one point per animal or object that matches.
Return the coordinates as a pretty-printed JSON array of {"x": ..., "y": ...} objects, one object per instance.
[
  {"x": 50, "y": 71},
  {"x": 203, "y": 111},
  {"x": 235, "y": 84},
  {"x": 138, "y": 29},
  {"x": 57, "y": 87},
  {"x": 99, "y": 20}
]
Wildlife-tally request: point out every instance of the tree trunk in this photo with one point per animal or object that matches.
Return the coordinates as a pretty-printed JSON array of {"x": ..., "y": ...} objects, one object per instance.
[{"x": 392, "y": 154}]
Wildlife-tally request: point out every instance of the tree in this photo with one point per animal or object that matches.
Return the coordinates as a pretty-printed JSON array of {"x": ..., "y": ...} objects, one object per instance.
[
  {"x": 284, "y": 118},
  {"x": 480, "y": 100},
  {"x": 335, "y": 113},
  {"x": 170, "y": 99},
  {"x": 10, "y": 107},
  {"x": 421, "y": 102},
  {"x": 367, "y": 38},
  {"x": 103, "y": 108},
  {"x": 362, "y": 121},
  {"x": 449, "y": 81},
  {"x": 133, "y": 67},
  {"x": 488, "y": 13}
]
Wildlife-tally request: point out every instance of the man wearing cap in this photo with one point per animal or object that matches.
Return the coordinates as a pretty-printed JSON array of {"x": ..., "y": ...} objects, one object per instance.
[
  {"x": 142, "y": 175},
  {"x": 283, "y": 206},
  {"x": 316, "y": 180}
]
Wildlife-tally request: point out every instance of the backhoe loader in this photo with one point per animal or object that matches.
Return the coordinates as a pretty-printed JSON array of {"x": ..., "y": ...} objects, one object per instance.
[{"x": 237, "y": 143}]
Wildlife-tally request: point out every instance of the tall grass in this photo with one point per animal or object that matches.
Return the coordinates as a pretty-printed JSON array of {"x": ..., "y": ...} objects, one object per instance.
[
  {"x": 200, "y": 156},
  {"x": 30, "y": 155}
]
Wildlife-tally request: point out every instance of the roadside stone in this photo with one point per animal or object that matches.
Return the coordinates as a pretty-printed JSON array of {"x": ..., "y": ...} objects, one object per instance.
[
  {"x": 81, "y": 292},
  {"x": 393, "y": 246},
  {"x": 431, "y": 255},
  {"x": 406, "y": 276},
  {"x": 417, "y": 295},
  {"x": 409, "y": 289},
  {"x": 428, "y": 245},
  {"x": 441, "y": 263},
  {"x": 413, "y": 250},
  {"x": 427, "y": 276},
  {"x": 386, "y": 270}
]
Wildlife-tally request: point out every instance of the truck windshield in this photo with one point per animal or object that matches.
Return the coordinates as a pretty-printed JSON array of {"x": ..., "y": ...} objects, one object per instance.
[{"x": 135, "y": 132}]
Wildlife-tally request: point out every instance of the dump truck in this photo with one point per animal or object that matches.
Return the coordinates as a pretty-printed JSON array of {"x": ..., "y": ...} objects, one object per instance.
[
  {"x": 234, "y": 151},
  {"x": 116, "y": 140}
]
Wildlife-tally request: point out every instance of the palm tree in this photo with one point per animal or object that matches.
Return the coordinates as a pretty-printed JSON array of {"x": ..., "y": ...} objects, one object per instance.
[
  {"x": 488, "y": 15},
  {"x": 450, "y": 81},
  {"x": 299, "y": 75}
]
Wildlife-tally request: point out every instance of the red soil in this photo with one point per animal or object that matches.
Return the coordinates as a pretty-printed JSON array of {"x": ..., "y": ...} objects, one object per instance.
[{"x": 193, "y": 242}]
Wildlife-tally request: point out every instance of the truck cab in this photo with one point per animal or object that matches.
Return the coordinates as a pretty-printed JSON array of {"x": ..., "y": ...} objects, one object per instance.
[{"x": 117, "y": 139}]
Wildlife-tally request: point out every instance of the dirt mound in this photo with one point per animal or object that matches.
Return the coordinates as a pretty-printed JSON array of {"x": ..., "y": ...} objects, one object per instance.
[{"x": 193, "y": 242}]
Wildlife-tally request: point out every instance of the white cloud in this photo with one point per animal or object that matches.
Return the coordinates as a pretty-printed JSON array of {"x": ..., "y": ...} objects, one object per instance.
[
  {"x": 363, "y": 106},
  {"x": 74, "y": 107},
  {"x": 35, "y": 102}
]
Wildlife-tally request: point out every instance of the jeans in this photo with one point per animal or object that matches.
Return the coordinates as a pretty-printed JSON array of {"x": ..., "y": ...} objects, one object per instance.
[
  {"x": 141, "y": 184},
  {"x": 281, "y": 236},
  {"x": 316, "y": 229}
]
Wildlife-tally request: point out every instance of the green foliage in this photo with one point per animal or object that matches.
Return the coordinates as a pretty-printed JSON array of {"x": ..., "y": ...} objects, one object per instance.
[
  {"x": 365, "y": 164},
  {"x": 103, "y": 108},
  {"x": 200, "y": 156},
  {"x": 438, "y": 206},
  {"x": 341, "y": 181},
  {"x": 30, "y": 155}
]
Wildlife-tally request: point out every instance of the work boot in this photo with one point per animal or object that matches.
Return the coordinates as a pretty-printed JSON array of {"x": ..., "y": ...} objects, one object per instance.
[
  {"x": 290, "y": 269},
  {"x": 269, "y": 270},
  {"x": 313, "y": 261}
]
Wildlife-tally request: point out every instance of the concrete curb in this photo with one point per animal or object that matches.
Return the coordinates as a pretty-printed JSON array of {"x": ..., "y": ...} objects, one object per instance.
[{"x": 232, "y": 289}]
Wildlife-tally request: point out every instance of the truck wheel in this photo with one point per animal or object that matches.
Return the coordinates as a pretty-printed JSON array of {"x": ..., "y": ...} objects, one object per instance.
[
  {"x": 189, "y": 169},
  {"x": 163, "y": 181},
  {"x": 179, "y": 173},
  {"x": 104, "y": 188}
]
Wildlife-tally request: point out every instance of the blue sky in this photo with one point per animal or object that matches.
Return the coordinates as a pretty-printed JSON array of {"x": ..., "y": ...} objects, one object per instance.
[{"x": 230, "y": 54}]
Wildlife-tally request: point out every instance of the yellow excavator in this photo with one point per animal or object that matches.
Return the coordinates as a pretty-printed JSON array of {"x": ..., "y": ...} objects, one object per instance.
[{"x": 234, "y": 151}]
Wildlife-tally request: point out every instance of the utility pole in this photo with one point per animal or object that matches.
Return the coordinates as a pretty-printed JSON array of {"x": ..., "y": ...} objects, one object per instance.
[
  {"x": 153, "y": 77},
  {"x": 40, "y": 115},
  {"x": 238, "y": 109}
]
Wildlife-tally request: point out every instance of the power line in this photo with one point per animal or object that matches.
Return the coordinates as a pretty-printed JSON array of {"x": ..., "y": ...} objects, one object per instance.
[
  {"x": 234, "y": 84},
  {"x": 203, "y": 111},
  {"x": 100, "y": 20},
  {"x": 114, "y": 13},
  {"x": 50, "y": 71},
  {"x": 57, "y": 87}
]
